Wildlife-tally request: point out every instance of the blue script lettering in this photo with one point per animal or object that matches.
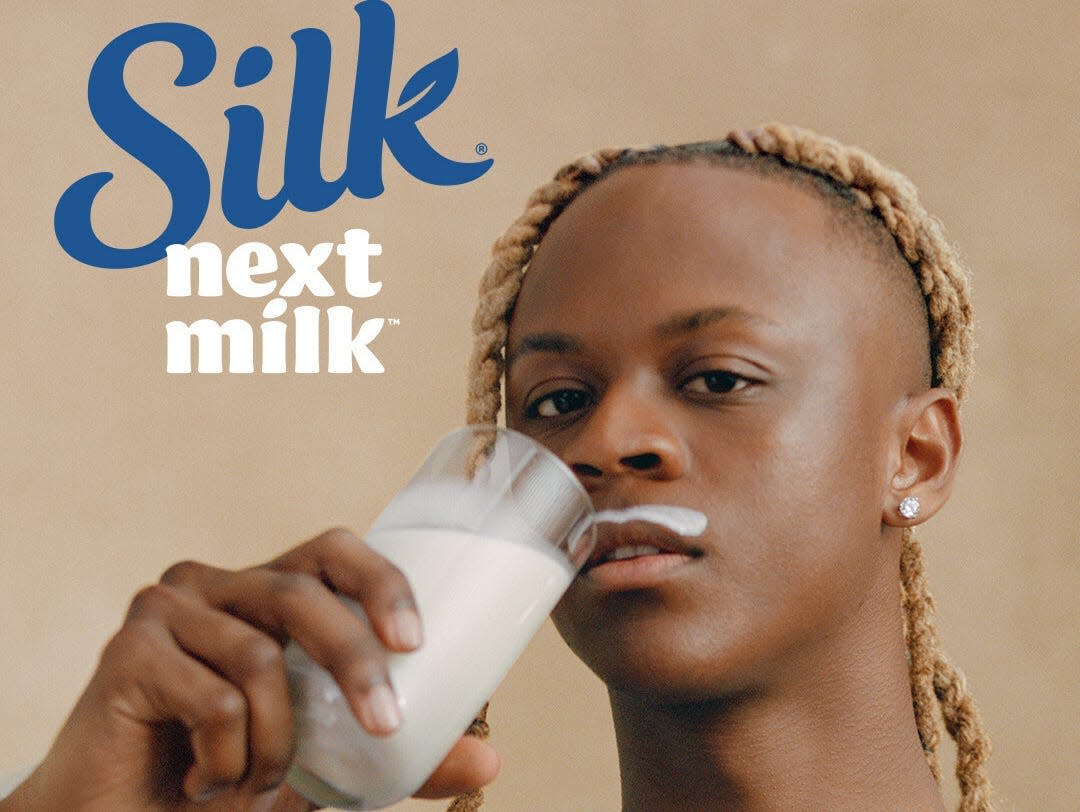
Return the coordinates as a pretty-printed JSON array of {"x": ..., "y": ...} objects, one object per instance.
[
  {"x": 147, "y": 140},
  {"x": 181, "y": 169}
]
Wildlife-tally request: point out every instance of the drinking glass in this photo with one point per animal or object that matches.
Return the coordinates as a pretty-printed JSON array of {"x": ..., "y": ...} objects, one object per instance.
[{"x": 489, "y": 533}]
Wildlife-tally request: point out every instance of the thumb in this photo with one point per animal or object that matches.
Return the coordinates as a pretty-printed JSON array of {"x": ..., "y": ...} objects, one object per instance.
[
  {"x": 471, "y": 764},
  {"x": 286, "y": 799}
]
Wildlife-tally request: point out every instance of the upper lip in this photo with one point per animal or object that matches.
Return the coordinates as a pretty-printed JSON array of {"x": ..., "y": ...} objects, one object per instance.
[{"x": 610, "y": 537}]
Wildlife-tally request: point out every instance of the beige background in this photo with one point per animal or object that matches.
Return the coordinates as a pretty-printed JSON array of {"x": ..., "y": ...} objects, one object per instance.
[{"x": 111, "y": 469}]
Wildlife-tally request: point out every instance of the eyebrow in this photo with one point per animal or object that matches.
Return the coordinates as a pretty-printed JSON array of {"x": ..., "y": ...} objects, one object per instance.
[
  {"x": 696, "y": 319},
  {"x": 558, "y": 343},
  {"x": 679, "y": 324}
]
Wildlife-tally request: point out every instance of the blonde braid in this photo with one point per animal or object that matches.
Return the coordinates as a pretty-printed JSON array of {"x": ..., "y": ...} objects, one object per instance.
[
  {"x": 921, "y": 639},
  {"x": 934, "y": 677},
  {"x": 501, "y": 281},
  {"x": 890, "y": 197}
]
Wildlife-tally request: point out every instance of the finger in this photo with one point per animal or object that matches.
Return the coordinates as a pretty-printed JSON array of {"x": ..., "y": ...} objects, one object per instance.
[
  {"x": 341, "y": 559},
  {"x": 471, "y": 764},
  {"x": 252, "y": 661},
  {"x": 298, "y": 606},
  {"x": 164, "y": 683}
]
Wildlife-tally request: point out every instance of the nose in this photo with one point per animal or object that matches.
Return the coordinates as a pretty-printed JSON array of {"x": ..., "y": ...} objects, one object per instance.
[{"x": 631, "y": 432}]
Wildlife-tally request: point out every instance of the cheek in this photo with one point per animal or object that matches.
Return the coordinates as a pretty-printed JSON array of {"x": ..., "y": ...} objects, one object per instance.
[
  {"x": 816, "y": 463},
  {"x": 797, "y": 506}
]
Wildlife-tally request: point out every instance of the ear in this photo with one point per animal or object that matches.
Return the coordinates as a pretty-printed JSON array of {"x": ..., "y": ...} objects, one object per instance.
[{"x": 924, "y": 459}]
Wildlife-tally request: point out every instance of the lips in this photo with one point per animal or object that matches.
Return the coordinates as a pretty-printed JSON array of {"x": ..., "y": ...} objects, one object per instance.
[{"x": 636, "y": 539}]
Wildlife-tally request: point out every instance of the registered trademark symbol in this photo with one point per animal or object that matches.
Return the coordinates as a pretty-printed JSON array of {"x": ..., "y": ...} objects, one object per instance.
[{"x": 481, "y": 148}]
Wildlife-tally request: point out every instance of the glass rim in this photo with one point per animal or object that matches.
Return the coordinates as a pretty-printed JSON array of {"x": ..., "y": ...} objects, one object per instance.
[{"x": 496, "y": 429}]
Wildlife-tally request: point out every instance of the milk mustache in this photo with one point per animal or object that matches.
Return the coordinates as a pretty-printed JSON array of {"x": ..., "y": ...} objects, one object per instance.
[{"x": 500, "y": 594}]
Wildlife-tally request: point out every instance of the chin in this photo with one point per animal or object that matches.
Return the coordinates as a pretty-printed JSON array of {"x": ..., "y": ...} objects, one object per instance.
[{"x": 657, "y": 656}]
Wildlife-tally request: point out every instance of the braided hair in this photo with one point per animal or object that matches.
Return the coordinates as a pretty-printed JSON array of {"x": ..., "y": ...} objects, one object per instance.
[{"x": 847, "y": 177}]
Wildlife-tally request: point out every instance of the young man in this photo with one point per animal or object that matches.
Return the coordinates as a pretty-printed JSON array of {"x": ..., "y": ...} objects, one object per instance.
[{"x": 780, "y": 348}]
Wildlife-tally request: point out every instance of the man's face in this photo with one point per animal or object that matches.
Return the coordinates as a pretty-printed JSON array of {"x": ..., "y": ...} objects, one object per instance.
[{"x": 705, "y": 337}]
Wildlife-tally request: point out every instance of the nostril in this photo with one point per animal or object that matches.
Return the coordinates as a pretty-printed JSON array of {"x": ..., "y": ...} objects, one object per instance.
[
  {"x": 584, "y": 469},
  {"x": 641, "y": 462}
]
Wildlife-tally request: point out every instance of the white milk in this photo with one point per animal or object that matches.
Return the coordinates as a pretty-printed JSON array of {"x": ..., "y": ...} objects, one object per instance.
[{"x": 481, "y": 600}]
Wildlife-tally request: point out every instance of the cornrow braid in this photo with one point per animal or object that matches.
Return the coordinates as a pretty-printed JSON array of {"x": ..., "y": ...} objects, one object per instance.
[{"x": 888, "y": 196}]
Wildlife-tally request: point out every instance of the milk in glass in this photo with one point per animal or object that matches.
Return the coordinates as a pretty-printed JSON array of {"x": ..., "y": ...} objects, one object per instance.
[{"x": 481, "y": 600}]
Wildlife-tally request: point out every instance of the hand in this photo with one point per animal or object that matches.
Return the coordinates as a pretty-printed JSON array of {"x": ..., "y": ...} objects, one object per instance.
[{"x": 189, "y": 706}]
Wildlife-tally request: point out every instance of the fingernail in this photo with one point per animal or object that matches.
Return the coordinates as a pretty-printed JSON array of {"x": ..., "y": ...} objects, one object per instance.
[
  {"x": 379, "y": 710},
  {"x": 406, "y": 628}
]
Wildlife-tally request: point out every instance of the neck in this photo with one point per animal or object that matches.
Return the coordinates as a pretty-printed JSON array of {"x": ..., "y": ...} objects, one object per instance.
[{"x": 839, "y": 734}]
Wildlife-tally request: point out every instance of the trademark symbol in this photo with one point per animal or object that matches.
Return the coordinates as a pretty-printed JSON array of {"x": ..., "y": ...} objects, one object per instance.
[
  {"x": 393, "y": 321},
  {"x": 481, "y": 148}
]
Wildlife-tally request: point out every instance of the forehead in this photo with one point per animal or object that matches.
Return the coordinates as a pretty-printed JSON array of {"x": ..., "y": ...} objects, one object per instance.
[{"x": 651, "y": 241}]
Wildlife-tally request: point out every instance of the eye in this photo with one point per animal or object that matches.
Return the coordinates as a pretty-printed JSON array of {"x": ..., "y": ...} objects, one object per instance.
[
  {"x": 715, "y": 382},
  {"x": 559, "y": 402}
]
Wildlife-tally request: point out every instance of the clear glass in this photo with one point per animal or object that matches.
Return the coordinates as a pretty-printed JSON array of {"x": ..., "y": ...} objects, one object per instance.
[{"x": 490, "y": 532}]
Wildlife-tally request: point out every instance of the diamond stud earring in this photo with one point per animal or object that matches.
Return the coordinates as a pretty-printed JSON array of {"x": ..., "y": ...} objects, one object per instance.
[{"x": 909, "y": 507}]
